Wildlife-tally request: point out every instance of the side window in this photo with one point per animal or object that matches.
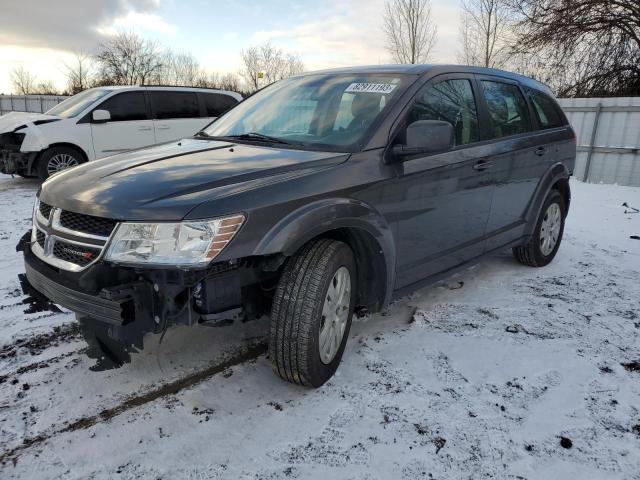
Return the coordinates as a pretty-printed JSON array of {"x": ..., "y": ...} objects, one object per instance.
[
  {"x": 167, "y": 104},
  {"x": 125, "y": 106},
  {"x": 217, "y": 103},
  {"x": 546, "y": 110},
  {"x": 451, "y": 101},
  {"x": 507, "y": 108}
]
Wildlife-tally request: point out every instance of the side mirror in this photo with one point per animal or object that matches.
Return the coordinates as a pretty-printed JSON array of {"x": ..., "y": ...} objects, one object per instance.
[
  {"x": 101, "y": 116},
  {"x": 426, "y": 136}
]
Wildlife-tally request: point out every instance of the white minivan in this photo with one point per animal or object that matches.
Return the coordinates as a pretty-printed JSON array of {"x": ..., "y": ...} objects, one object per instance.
[{"x": 104, "y": 121}]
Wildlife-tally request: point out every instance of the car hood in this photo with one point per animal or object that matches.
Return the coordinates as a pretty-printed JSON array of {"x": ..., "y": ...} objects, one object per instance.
[
  {"x": 13, "y": 120},
  {"x": 167, "y": 181}
]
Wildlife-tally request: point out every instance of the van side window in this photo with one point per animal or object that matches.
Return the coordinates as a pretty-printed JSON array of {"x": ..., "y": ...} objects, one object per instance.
[
  {"x": 451, "y": 101},
  {"x": 507, "y": 108},
  {"x": 168, "y": 104},
  {"x": 546, "y": 110},
  {"x": 216, "y": 103},
  {"x": 125, "y": 106}
]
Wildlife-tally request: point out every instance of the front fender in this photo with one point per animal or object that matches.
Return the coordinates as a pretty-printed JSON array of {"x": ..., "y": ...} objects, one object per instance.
[
  {"x": 314, "y": 219},
  {"x": 34, "y": 140}
]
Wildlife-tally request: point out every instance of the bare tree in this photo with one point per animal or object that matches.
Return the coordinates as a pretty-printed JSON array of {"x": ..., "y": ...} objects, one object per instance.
[
  {"x": 595, "y": 44},
  {"x": 270, "y": 62},
  {"x": 181, "y": 69},
  {"x": 409, "y": 29},
  {"x": 484, "y": 28},
  {"x": 128, "y": 59},
  {"x": 45, "y": 88},
  {"x": 23, "y": 81},
  {"x": 229, "y": 81},
  {"x": 79, "y": 73}
]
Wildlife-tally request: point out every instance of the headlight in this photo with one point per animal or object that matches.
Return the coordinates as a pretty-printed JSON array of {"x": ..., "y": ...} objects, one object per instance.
[{"x": 180, "y": 243}]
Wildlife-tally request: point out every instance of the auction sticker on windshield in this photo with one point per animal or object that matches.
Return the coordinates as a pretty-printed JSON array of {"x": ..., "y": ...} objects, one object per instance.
[{"x": 370, "y": 88}]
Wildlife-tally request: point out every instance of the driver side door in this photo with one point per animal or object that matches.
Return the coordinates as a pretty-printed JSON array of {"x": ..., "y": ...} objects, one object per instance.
[
  {"x": 130, "y": 126},
  {"x": 445, "y": 197}
]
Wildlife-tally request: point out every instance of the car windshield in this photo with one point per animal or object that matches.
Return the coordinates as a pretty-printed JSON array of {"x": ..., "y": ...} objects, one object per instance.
[
  {"x": 77, "y": 104},
  {"x": 333, "y": 112}
]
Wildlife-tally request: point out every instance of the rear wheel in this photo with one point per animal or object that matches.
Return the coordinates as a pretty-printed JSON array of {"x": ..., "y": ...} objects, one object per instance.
[
  {"x": 56, "y": 159},
  {"x": 546, "y": 238},
  {"x": 312, "y": 311}
]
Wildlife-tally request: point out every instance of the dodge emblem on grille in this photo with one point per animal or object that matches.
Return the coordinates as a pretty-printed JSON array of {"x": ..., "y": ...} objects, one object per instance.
[{"x": 78, "y": 253}]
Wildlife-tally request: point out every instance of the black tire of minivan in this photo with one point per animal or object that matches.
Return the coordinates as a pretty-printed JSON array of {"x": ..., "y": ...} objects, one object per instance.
[
  {"x": 50, "y": 154},
  {"x": 297, "y": 312},
  {"x": 531, "y": 254}
]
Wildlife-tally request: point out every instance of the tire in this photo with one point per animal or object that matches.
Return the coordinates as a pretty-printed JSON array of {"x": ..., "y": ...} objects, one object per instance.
[
  {"x": 535, "y": 253},
  {"x": 56, "y": 159},
  {"x": 298, "y": 314}
]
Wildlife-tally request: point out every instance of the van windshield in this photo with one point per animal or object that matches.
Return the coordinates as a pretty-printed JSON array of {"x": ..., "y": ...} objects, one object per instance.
[
  {"x": 78, "y": 103},
  {"x": 331, "y": 111}
]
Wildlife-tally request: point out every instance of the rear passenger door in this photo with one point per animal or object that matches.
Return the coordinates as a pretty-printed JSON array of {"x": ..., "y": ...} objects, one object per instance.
[
  {"x": 444, "y": 198},
  {"x": 517, "y": 157},
  {"x": 176, "y": 114},
  {"x": 130, "y": 126}
]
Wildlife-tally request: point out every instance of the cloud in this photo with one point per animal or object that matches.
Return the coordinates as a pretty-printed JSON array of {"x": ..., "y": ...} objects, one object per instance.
[
  {"x": 348, "y": 35},
  {"x": 149, "y": 22},
  {"x": 65, "y": 24}
]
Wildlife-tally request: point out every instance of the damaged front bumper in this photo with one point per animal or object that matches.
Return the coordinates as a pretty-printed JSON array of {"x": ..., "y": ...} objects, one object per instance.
[{"x": 125, "y": 303}]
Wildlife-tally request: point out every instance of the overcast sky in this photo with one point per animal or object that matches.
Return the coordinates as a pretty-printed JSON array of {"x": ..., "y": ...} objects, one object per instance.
[{"x": 42, "y": 35}]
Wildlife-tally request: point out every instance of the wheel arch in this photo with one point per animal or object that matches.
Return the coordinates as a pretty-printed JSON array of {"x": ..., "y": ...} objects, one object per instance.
[
  {"x": 353, "y": 222},
  {"x": 556, "y": 177},
  {"x": 36, "y": 159}
]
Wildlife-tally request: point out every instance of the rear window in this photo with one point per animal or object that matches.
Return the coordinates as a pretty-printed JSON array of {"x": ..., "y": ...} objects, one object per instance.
[
  {"x": 126, "y": 106},
  {"x": 216, "y": 104},
  {"x": 507, "y": 108},
  {"x": 168, "y": 104},
  {"x": 546, "y": 110}
]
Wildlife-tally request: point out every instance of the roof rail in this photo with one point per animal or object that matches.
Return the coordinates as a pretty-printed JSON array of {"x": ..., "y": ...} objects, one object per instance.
[{"x": 179, "y": 86}]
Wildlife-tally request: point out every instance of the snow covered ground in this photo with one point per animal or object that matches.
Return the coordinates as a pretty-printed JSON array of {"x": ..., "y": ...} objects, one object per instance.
[{"x": 502, "y": 371}]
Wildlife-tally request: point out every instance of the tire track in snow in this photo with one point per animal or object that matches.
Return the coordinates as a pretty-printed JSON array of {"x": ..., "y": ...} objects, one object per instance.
[{"x": 248, "y": 353}]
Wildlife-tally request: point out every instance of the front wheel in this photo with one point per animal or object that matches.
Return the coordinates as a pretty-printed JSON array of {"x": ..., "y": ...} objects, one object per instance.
[
  {"x": 546, "y": 238},
  {"x": 56, "y": 159},
  {"x": 312, "y": 311}
]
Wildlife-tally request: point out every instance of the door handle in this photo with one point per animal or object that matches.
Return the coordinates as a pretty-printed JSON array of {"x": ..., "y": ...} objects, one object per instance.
[
  {"x": 163, "y": 127},
  {"x": 481, "y": 165},
  {"x": 142, "y": 129},
  {"x": 540, "y": 151}
]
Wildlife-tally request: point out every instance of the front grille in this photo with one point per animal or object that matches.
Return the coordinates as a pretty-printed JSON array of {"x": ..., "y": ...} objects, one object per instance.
[
  {"x": 87, "y": 223},
  {"x": 80, "y": 255},
  {"x": 45, "y": 209},
  {"x": 40, "y": 238}
]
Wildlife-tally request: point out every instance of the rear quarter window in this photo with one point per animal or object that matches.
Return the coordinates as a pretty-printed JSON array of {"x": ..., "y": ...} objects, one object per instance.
[
  {"x": 216, "y": 104},
  {"x": 168, "y": 104},
  {"x": 547, "y": 111}
]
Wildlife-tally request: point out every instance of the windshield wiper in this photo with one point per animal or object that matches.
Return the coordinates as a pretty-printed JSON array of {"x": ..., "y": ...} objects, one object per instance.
[{"x": 261, "y": 137}]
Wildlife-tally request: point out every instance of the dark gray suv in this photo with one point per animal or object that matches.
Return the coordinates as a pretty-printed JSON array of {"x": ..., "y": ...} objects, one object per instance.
[{"x": 320, "y": 195}]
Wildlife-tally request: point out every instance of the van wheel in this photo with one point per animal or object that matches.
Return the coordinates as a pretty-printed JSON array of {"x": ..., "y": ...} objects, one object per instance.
[
  {"x": 56, "y": 159},
  {"x": 547, "y": 235},
  {"x": 311, "y": 312}
]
